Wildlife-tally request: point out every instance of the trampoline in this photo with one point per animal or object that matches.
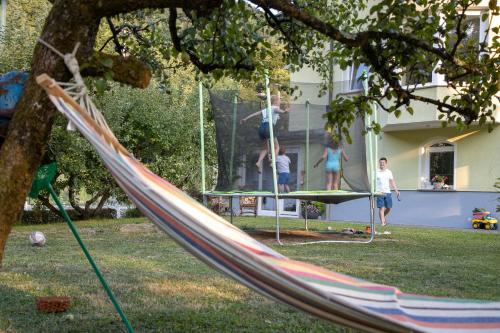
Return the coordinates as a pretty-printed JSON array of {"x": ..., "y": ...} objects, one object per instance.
[{"x": 302, "y": 132}]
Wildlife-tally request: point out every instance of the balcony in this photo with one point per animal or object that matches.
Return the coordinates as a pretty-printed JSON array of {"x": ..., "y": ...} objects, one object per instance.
[{"x": 425, "y": 115}]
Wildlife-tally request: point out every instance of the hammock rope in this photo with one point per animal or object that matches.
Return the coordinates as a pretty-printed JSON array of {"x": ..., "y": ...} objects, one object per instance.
[{"x": 329, "y": 295}]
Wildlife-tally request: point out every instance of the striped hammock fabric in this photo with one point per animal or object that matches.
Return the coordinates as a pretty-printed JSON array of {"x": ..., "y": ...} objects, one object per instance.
[{"x": 332, "y": 296}]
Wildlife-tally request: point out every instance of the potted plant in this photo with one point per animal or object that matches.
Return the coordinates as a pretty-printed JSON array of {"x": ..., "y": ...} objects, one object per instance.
[
  {"x": 314, "y": 209},
  {"x": 438, "y": 181}
]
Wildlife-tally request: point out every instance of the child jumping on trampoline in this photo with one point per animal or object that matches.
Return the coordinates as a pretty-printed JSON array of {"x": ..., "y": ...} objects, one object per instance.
[
  {"x": 332, "y": 154},
  {"x": 283, "y": 167},
  {"x": 264, "y": 128}
]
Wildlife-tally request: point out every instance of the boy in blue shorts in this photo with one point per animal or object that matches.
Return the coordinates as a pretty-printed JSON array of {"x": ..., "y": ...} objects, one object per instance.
[{"x": 283, "y": 168}]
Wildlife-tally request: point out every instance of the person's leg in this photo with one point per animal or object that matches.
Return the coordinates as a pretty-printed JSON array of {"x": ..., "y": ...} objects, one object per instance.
[
  {"x": 335, "y": 180},
  {"x": 276, "y": 150},
  {"x": 262, "y": 154},
  {"x": 388, "y": 206},
  {"x": 329, "y": 180},
  {"x": 287, "y": 180},
  {"x": 381, "y": 213},
  {"x": 281, "y": 188},
  {"x": 381, "y": 209},
  {"x": 276, "y": 147}
]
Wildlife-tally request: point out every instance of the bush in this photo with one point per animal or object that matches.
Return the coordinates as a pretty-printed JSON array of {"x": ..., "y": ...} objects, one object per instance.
[
  {"x": 132, "y": 212},
  {"x": 314, "y": 209},
  {"x": 39, "y": 216},
  {"x": 44, "y": 216}
]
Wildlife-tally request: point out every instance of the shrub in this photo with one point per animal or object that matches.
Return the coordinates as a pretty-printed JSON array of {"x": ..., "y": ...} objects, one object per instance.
[
  {"x": 44, "y": 216},
  {"x": 39, "y": 216},
  {"x": 314, "y": 208},
  {"x": 132, "y": 212}
]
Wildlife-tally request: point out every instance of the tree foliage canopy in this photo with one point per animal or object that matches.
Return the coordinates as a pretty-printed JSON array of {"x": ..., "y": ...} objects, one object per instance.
[{"x": 401, "y": 42}]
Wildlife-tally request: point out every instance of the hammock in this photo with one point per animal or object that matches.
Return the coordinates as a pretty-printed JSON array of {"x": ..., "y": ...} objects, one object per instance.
[{"x": 335, "y": 297}]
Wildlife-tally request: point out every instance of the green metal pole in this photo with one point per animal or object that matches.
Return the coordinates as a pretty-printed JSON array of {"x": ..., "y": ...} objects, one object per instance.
[
  {"x": 306, "y": 225},
  {"x": 90, "y": 259},
  {"x": 307, "y": 144},
  {"x": 375, "y": 139},
  {"x": 273, "y": 155},
  {"x": 202, "y": 139},
  {"x": 368, "y": 121},
  {"x": 233, "y": 134}
]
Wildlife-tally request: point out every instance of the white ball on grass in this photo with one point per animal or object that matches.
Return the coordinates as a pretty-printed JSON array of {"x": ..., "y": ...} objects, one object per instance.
[{"x": 37, "y": 238}]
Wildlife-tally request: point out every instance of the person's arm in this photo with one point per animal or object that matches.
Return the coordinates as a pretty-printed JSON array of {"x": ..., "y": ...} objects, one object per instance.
[
  {"x": 325, "y": 153},
  {"x": 344, "y": 155},
  {"x": 286, "y": 110},
  {"x": 392, "y": 182},
  {"x": 250, "y": 116}
]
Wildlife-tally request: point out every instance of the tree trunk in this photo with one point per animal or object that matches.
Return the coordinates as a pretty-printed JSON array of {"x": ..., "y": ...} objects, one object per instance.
[
  {"x": 68, "y": 22},
  {"x": 46, "y": 202},
  {"x": 104, "y": 198},
  {"x": 71, "y": 196}
]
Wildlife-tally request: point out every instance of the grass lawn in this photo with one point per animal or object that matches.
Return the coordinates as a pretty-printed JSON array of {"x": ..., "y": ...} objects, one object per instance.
[{"x": 162, "y": 288}]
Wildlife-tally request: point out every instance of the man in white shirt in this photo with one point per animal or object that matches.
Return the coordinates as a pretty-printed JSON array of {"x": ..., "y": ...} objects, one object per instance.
[{"x": 385, "y": 181}]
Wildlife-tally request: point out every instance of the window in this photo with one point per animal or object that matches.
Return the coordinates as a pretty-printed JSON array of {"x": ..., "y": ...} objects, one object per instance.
[
  {"x": 441, "y": 161},
  {"x": 418, "y": 74},
  {"x": 356, "y": 78},
  {"x": 437, "y": 159},
  {"x": 475, "y": 33},
  {"x": 472, "y": 29}
]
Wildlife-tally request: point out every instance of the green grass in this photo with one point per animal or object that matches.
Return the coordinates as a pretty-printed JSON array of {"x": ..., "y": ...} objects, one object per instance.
[{"x": 163, "y": 288}]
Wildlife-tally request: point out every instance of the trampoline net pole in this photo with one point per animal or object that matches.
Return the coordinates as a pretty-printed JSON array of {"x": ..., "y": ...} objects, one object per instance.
[
  {"x": 273, "y": 155},
  {"x": 202, "y": 139},
  {"x": 233, "y": 134},
  {"x": 368, "y": 127},
  {"x": 307, "y": 160}
]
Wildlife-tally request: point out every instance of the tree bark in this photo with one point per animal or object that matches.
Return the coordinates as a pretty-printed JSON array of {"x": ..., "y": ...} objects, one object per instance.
[
  {"x": 68, "y": 22},
  {"x": 71, "y": 196},
  {"x": 104, "y": 198},
  {"x": 46, "y": 202}
]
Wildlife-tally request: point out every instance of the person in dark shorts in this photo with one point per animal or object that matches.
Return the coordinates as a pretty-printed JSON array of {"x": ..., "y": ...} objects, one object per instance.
[
  {"x": 283, "y": 168},
  {"x": 264, "y": 134}
]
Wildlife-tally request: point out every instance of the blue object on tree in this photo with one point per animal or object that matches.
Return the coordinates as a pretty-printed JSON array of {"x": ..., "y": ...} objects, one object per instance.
[{"x": 11, "y": 90}]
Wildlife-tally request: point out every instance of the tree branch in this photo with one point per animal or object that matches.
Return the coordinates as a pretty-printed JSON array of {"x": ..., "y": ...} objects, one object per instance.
[
  {"x": 115, "y": 32},
  {"x": 205, "y": 68},
  {"x": 128, "y": 70},
  {"x": 46, "y": 202},
  {"x": 115, "y": 7},
  {"x": 71, "y": 195}
]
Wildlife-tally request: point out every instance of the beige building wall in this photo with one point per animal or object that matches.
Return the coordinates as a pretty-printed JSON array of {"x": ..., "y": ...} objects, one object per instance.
[
  {"x": 477, "y": 156},
  {"x": 477, "y": 152}
]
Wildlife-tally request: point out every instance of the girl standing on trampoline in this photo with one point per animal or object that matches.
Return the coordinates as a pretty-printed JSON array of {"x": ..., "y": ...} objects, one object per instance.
[
  {"x": 264, "y": 128},
  {"x": 333, "y": 154}
]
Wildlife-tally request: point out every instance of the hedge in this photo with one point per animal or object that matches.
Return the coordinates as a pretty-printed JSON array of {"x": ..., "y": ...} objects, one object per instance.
[{"x": 41, "y": 216}]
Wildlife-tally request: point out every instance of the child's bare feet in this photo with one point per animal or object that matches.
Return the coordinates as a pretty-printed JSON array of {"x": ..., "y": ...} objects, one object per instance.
[{"x": 259, "y": 167}]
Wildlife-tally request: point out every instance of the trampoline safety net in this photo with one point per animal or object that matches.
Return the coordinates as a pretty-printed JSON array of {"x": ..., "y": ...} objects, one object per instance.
[{"x": 301, "y": 131}]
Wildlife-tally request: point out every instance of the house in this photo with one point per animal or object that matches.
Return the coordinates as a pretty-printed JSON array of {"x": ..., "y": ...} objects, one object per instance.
[{"x": 418, "y": 149}]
